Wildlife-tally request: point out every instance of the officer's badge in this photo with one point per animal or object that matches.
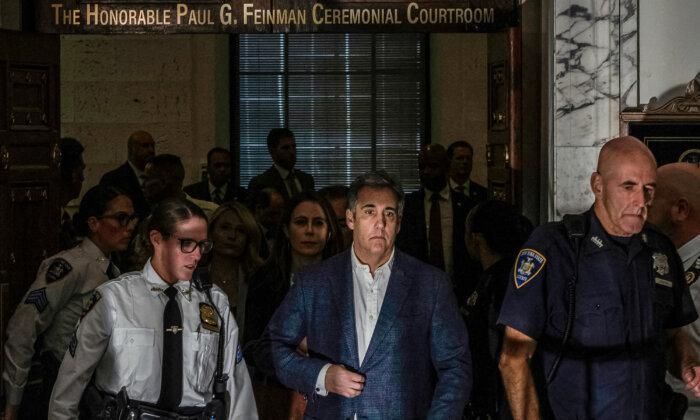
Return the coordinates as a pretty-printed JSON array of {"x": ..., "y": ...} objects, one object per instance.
[
  {"x": 57, "y": 270},
  {"x": 208, "y": 317},
  {"x": 96, "y": 296},
  {"x": 660, "y": 263},
  {"x": 239, "y": 354},
  {"x": 527, "y": 266},
  {"x": 690, "y": 277},
  {"x": 38, "y": 299}
]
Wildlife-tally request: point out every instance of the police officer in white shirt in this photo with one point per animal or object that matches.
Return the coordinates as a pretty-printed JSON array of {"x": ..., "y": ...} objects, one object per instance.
[
  {"x": 50, "y": 310},
  {"x": 150, "y": 340}
]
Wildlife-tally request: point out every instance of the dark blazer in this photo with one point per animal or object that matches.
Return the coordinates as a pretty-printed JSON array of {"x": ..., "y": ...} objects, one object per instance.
[
  {"x": 271, "y": 178},
  {"x": 125, "y": 179},
  {"x": 413, "y": 238},
  {"x": 200, "y": 191},
  {"x": 417, "y": 364},
  {"x": 477, "y": 193}
]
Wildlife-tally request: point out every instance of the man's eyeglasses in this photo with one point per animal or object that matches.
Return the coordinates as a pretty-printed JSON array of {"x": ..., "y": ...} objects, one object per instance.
[
  {"x": 189, "y": 245},
  {"x": 124, "y": 219}
]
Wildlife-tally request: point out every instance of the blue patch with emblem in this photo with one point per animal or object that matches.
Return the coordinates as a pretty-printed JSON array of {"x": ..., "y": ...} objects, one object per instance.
[
  {"x": 239, "y": 354},
  {"x": 38, "y": 299},
  {"x": 528, "y": 265},
  {"x": 57, "y": 270}
]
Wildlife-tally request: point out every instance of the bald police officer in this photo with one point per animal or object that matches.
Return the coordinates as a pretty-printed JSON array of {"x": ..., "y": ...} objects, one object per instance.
[{"x": 602, "y": 352}]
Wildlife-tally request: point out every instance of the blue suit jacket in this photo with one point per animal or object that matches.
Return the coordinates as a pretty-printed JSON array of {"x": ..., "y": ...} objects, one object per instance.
[{"x": 417, "y": 364}]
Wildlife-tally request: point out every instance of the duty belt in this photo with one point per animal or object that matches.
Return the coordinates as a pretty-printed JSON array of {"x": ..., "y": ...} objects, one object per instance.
[{"x": 115, "y": 407}]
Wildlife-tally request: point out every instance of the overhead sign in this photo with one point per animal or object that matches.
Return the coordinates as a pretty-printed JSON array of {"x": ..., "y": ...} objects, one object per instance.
[{"x": 260, "y": 16}]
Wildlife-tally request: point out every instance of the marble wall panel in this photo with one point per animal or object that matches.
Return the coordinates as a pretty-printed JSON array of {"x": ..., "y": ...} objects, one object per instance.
[{"x": 573, "y": 167}]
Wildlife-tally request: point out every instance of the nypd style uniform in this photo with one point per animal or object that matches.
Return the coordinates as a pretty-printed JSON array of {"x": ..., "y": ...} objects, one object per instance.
[
  {"x": 51, "y": 308},
  {"x": 628, "y": 292},
  {"x": 120, "y": 339}
]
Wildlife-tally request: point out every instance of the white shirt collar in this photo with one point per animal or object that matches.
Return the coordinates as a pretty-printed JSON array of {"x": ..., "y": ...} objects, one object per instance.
[
  {"x": 95, "y": 253},
  {"x": 283, "y": 172},
  {"x": 222, "y": 188},
  {"x": 359, "y": 265},
  {"x": 454, "y": 184},
  {"x": 137, "y": 171},
  {"x": 444, "y": 193},
  {"x": 690, "y": 249},
  {"x": 157, "y": 285}
]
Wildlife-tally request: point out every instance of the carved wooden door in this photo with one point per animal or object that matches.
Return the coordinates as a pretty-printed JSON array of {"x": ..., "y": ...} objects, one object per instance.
[
  {"x": 503, "y": 142},
  {"x": 29, "y": 132}
]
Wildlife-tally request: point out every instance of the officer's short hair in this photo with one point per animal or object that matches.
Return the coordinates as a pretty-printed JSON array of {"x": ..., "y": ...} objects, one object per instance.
[
  {"x": 504, "y": 229},
  {"x": 375, "y": 179},
  {"x": 216, "y": 150},
  {"x": 94, "y": 204},
  {"x": 456, "y": 144},
  {"x": 71, "y": 152},
  {"x": 277, "y": 134}
]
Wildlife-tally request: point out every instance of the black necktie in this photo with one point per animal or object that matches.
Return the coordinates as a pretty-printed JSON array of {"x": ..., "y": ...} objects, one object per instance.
[
  {"x": 112, "y": 272},
  {"x": 435, "y": 233},
  {"x": 171, "y": 375},
  {"x": 293, "y": 188}
]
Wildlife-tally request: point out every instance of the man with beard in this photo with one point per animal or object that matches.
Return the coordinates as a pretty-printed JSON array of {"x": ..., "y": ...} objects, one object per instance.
[
  {"x": 282, "y": 176},
  {"x": 433, "y": 222}
]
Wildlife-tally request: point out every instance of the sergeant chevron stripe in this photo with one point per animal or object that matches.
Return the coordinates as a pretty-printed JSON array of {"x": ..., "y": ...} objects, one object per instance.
[{"x": 38, "y": 299}]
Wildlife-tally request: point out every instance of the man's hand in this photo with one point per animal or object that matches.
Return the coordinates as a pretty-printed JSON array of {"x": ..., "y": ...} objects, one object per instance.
[
  {"x": 11, "y": 411},
  {"x": 343, "y": 382},
  {"x": 691, "y": 377}
]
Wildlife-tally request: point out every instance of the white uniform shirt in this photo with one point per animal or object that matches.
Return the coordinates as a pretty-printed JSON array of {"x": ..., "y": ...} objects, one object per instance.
[
  {"x": 690, "y": 253},
  {"x": 368, "y": 296},
  {"x": 51, "y": 307},
  {"x": 121, "y": 340}
]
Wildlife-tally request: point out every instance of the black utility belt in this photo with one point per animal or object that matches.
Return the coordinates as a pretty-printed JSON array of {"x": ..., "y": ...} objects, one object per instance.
[{"x": 114, "y": 409}]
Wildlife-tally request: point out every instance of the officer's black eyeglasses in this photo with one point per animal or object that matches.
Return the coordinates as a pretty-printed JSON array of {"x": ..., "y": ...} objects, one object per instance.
[
  {"x": 189, "y": 245},
  {"x": 122, "y": 218}
]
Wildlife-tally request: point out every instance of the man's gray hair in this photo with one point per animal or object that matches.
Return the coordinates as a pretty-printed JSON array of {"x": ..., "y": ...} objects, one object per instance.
[{"x": 375, "y": 179}]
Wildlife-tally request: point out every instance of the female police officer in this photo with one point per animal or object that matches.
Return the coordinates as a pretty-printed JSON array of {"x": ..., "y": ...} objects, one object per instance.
[
  {"x": 151, "y": 338},
  {"x": 64, "y": 284}
]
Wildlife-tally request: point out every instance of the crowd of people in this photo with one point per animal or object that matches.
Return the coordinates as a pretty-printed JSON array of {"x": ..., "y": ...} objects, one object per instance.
[{"x": 277, "y": 301}]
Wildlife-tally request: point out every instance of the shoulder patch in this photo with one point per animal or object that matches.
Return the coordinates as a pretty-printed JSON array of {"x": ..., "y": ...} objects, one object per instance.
[
  {"x": 208, "y": 317},
  {"x": 96, "y": 296},
  {"x": 527, "y": 266},
  {"x": 57, "y": 270},
  {"x": 239, "y": 354},
  {"x": 38, "y": 299}
]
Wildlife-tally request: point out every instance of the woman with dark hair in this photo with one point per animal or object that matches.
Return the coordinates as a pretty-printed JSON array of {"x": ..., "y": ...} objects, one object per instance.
[
  {"x": 53, "y": 304},
  {"x": 159, "y": 343},
  {"x": 308, "y": 233},
  {"x": 235, "y": 257},
  {"x": 494, "y": 234}
]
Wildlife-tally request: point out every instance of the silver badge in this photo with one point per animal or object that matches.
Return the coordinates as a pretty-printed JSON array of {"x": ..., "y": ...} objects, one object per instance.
[
  {"x": 596, "y": 240},
  {"x": 660, "y": 263}
]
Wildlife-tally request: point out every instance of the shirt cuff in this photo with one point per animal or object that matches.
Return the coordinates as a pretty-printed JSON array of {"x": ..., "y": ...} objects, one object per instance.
[
  {"x": 321, "y": 381},
  {"x": 13, "y": 394}
]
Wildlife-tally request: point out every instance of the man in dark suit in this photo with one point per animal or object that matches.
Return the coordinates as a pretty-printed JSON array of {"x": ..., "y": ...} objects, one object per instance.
[
  {"x": 218, "y": 187},
  {"x": 385, "y": 338},
  {"x": 433, "y": 223},
  {"x": 72, "y": 176},
  {"x": 461, "y": 154},
  {"x": 282, "y": 176},
  {"x": 129, "y": 176}
]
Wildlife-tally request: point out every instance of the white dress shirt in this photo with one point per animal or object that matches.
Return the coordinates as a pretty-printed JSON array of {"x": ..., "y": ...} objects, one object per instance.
[
  {"x": 690, "y": 254},
  {"x": 222, "y": 190},
  {"x": 446, "y": 224},
  {"x": 368, "y": 296},
  {"x": 454, "y": 185}
]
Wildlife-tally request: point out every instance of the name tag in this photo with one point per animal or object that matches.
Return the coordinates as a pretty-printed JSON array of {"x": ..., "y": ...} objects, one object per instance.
[{"x": 663, "y": 282}]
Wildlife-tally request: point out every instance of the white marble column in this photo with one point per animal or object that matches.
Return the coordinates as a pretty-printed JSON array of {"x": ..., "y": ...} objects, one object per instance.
[{"x": 595, "y": 74}]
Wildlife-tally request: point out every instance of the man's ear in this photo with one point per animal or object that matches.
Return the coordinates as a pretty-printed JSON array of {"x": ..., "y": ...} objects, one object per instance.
[
  {"x": 680, "y": 211},
  {"x": 92, "y": 223},
  {"x": 596, "y": 184},
  {"x": 349, "y": 219}
]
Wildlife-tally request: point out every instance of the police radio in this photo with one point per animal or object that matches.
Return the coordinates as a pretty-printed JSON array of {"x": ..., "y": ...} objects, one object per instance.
[{"x": 216, "y": 408}]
